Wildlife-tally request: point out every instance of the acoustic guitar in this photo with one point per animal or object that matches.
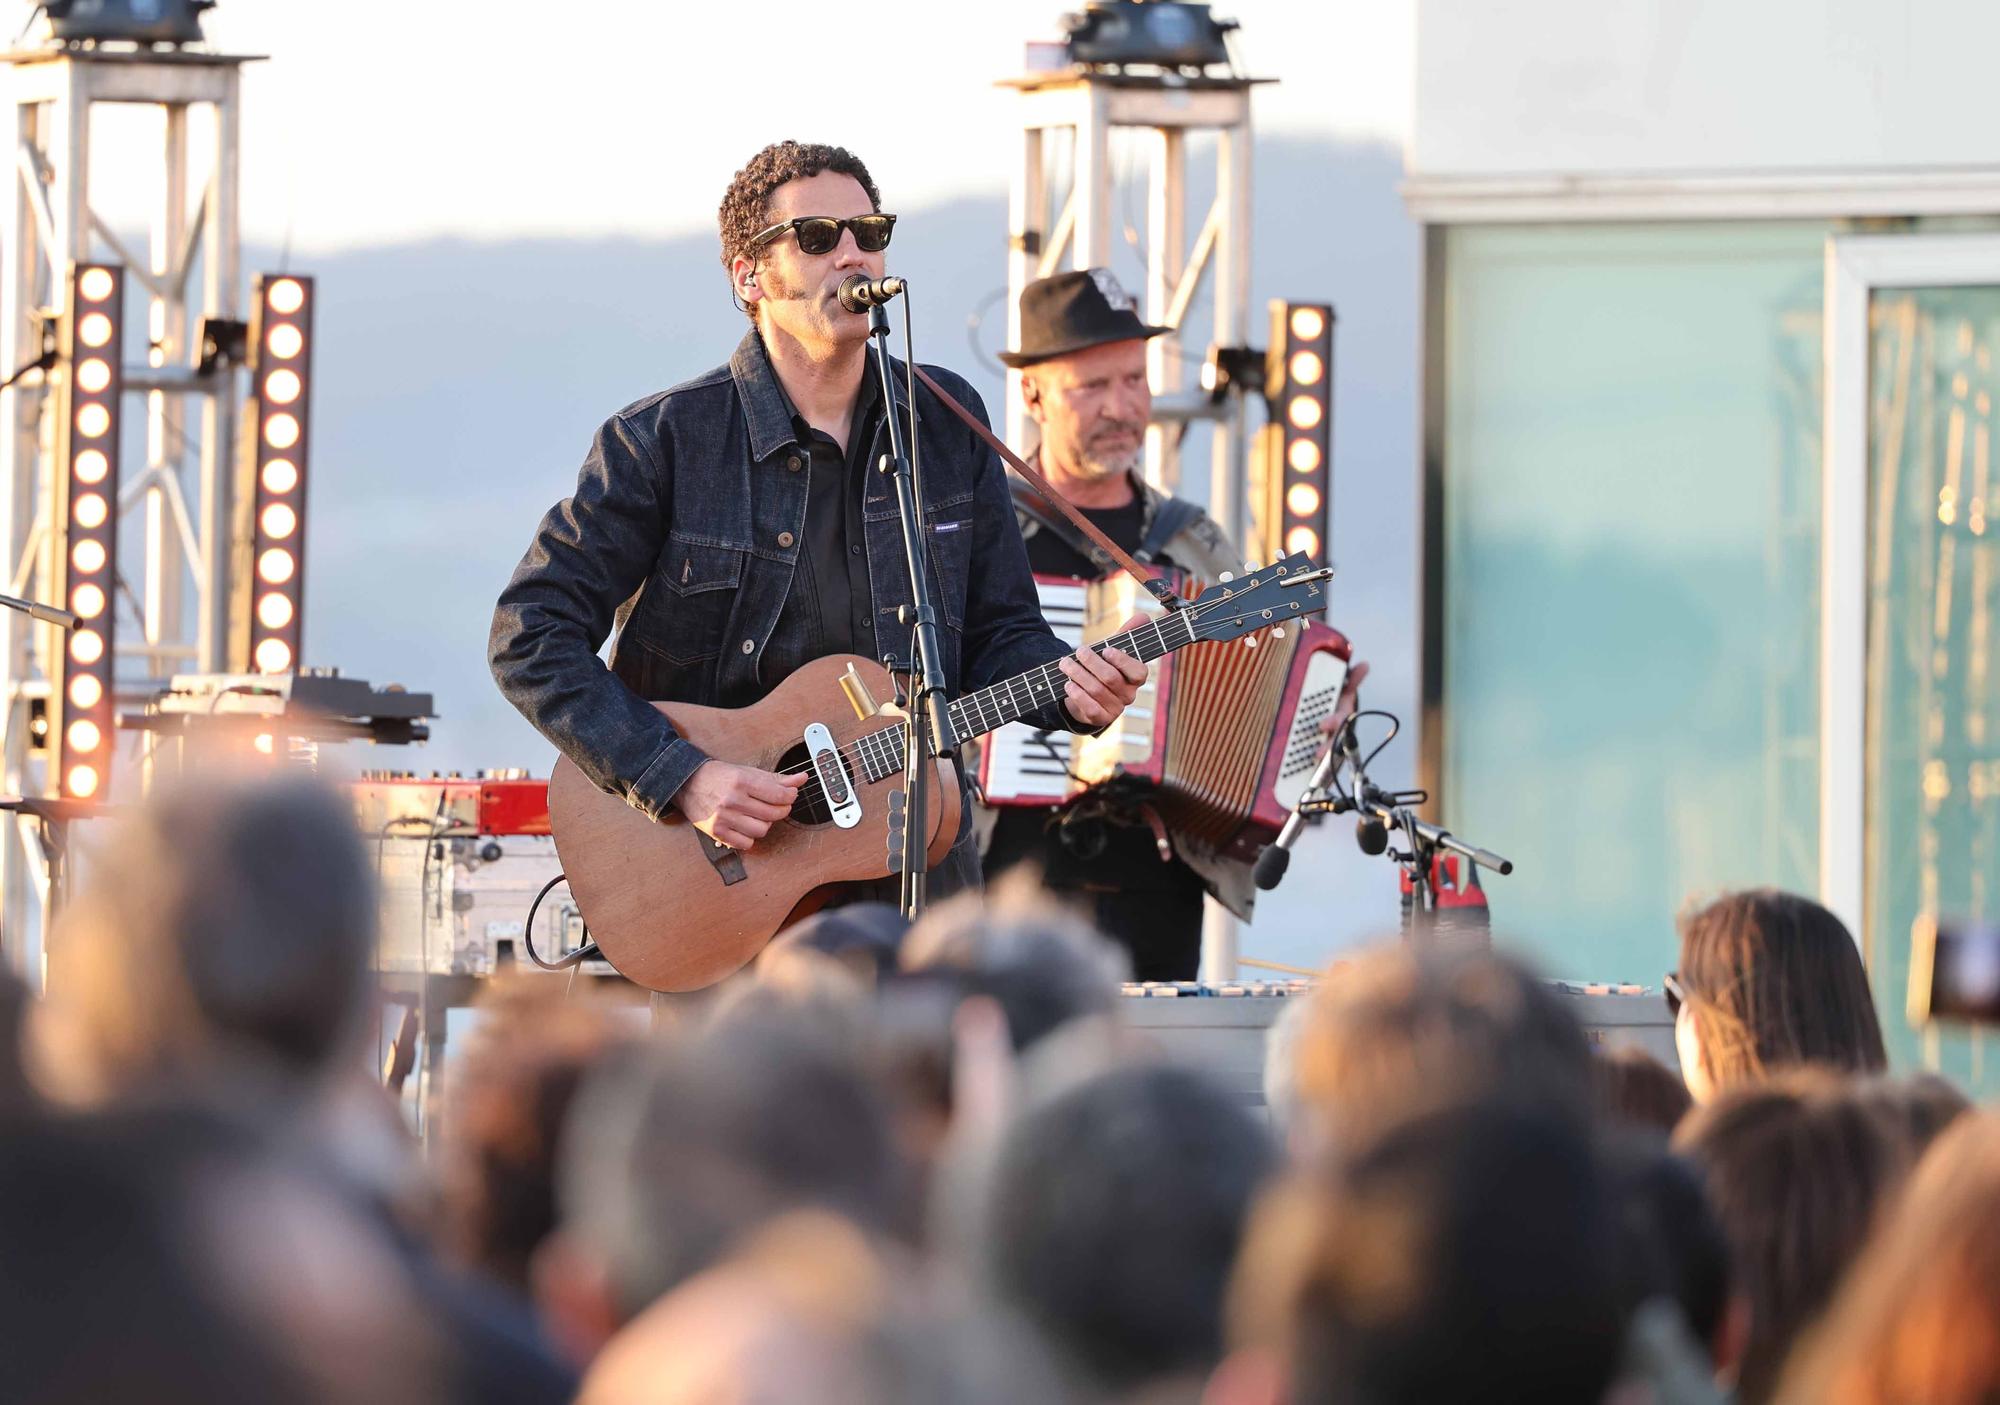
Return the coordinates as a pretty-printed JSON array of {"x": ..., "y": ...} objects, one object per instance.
[{"x": 673, "y": 910}]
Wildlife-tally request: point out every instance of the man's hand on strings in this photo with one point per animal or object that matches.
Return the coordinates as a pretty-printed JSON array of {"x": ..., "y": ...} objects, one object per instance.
[
  {"x": 737, "y": 805},
  {"x": 1101, "y": 685}
]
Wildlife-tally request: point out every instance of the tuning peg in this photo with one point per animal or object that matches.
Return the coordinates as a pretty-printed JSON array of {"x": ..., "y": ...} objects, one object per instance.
[
  {"x": 1250, "y": 566},
  {"x": 1227, "y": 576},
  {"x": 1278, "y": 632},
  {"x": 1249, "y": 641}
]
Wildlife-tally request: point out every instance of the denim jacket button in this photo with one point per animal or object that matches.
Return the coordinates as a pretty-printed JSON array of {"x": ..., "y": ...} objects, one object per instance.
[
  {"x": 749, "y": 646},
  {"x": 784, "y": 539},
  {"x": 795, "y": 463}
]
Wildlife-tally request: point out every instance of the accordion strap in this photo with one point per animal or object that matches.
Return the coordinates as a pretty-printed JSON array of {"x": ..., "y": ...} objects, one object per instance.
[{"x": 1155, "y": 586}]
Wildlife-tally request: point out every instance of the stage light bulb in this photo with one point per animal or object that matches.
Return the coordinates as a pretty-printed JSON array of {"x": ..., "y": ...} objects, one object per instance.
[
  {"x": 279, "y": 521},
  {"x": 90, "y": 511},
  {"x": 88, "y": 556},
  {"x": 83, "y": 781},
  {"x": 93, "y": 329},
  {"x": 93, "y": 421},
  {"x": 1303, "y": 456},
  {"x": 1302, "y": 500},
  {"x": 91, "y": 466},
  {"x": 274, "y": 610},
  {"x": 87, "y": 600},
  {"x": 84, "y": 735},
  {"x": 1308, "y": 323},
  {"x": 86, "y": 646},
  {"x": 281, "y": 431},
  {"x": 285, "y": 341},
  {"x": 287, "y": 295},
  {"x": 282, "y": 387},
  {"x": 275, "y": 566},
  {"x": 280, "y": 476},
  {"x": 1302, "y": 539},
  {"x": 1304, "y": 412},
  {"x": 85, "y": 691},
  {"x": 95, "y": 284},
  {"x": 1307, "y": 368},
  {"x": 274, "y": 656},
  {"x": 265, "y": 743},
  {"x": 93, "y": 375}
]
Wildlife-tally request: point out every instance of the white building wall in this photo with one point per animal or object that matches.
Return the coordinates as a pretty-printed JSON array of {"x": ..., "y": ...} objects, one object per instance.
[{"x": 1663, "y": 88}]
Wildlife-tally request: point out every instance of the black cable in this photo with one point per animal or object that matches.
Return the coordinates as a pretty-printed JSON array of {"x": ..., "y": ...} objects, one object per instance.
[
  {"x": 575, "y": 958},
  {"x": 1347, "y": 729},
  {"x": 41, "y": 363}
]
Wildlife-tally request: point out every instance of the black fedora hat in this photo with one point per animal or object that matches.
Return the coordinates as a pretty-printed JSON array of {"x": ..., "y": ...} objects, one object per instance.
[{"x": 1073, "y": 311}]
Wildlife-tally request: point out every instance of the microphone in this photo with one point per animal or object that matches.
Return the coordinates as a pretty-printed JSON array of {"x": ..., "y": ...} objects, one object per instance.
[
  {"x": 1277, "y": 856},
  {"x": 858, "y": 294},
  {"x": 1369, "y": 830}
]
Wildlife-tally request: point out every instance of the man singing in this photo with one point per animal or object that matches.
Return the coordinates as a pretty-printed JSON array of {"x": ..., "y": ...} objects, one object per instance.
[
  {"x": 1082, "y": 361},
  {"x": 741, "y": 516}
]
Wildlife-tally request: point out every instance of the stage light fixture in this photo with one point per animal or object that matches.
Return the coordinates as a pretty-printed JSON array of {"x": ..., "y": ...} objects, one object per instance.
[
  {"x": 84, "y": 695},
  {"x": 1298, "y": 387},
  {"x": 267, "y": 610}
]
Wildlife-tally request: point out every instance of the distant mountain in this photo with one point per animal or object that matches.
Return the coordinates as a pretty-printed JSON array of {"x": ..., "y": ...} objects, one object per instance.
[{"x": 459, "y": 383}]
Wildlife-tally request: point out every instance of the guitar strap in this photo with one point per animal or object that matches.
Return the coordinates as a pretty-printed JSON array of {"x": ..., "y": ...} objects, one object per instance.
[{"x": 1155, "y": 586}]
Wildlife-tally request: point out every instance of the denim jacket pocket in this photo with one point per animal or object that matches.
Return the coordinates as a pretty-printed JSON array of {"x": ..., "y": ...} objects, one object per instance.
[
  {"x": 687, "y": 603},
  {"x": 948, "y": 529}
]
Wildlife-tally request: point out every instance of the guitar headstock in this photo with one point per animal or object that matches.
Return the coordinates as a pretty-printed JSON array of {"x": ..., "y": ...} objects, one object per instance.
[{"x": 1291, "y": 589}]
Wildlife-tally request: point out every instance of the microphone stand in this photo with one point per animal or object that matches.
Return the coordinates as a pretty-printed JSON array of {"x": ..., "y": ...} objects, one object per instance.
[
  {"x": 34, "y": 609},
  {"x": 927, "y": 734}
]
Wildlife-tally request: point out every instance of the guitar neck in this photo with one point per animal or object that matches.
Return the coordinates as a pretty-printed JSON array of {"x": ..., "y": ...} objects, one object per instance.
[{"x": 978, "y": 713}]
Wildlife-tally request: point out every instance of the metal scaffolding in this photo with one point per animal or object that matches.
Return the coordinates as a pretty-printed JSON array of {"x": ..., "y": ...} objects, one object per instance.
[{"x": 181, "y": 498}]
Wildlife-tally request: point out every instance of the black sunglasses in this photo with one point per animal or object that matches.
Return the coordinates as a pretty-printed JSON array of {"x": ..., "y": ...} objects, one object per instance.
[
  {"x": 819, "y": 233},
  {"x": 1670, "y": 986}
]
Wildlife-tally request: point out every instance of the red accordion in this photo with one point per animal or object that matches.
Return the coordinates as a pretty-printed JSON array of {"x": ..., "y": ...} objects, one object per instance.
[{"x": 1220, "y": 741}]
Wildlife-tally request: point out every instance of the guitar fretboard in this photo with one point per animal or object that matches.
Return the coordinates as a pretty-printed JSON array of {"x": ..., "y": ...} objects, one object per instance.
[{"x": 976, "y": 714}]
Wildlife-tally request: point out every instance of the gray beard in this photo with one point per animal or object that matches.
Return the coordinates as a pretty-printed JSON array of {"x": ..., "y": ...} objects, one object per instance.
[{"x": 1098, "y": 467}]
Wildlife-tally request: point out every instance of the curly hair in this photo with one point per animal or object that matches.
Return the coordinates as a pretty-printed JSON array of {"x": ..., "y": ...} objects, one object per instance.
[{"x": 745, "y": 209}]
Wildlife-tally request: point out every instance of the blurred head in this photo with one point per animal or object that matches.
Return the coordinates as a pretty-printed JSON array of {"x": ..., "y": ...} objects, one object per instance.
[
  {"x": 1634, "y": 1089},
  {"x": 1398, "y": 1033},
  {"x": 1922, "y": 1104},
  {"x": 789, "y": 293},
  {"x": 1093, "y": 407},
  {"x": 1672, "y": 1245},
  {"x": 1918, "y": 1319},
  {"x": 1043, "y": 965},
  {"x": 505, "y": 1104},
  {"x": 1796, "y": 1168},
  {"x": 1770, "y": 980},
  {"x": 672, "y": 1156},
  {"x": 155, "y": 1255},
  {"x": 1466, "y": 1255},
  {"x": 225, "y": 932},
  {"x": 862, "y": 938},
  {"x": 1113, "y": 1217}
]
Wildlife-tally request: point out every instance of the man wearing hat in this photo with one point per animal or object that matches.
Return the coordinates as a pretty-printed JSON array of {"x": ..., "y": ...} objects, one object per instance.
[{"x": 1082, "y": 362}]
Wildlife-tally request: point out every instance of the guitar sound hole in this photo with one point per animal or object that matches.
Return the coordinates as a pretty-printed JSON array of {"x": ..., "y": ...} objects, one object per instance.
[{"x": 810, "y": 809}]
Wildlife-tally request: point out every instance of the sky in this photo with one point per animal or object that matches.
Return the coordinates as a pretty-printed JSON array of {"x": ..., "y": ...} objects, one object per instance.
[{"x": 384, "y": 121}]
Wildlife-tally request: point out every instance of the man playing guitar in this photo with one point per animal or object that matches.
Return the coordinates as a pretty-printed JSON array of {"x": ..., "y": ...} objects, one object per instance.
[{"x": 735, "y": 530}]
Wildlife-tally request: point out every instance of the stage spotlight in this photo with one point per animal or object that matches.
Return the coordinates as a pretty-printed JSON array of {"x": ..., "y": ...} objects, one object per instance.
[
  {"x": 1296, "y": 486},
  {"x": 83, "y": 694},
  {"x": 267, "y": 611}
]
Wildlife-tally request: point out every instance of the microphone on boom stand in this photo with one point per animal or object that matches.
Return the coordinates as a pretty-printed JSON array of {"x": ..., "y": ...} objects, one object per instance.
[
  {"x": 858, "y": 294},
  {"x": 1277, "y": 856}
]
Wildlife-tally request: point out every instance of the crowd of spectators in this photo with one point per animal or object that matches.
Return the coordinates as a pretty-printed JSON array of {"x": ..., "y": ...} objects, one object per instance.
[{"x": 936, "y": 1166}]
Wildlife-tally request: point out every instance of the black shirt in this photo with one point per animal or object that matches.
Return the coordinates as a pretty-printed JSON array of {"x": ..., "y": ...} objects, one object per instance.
[
  {"x": 1050, "y": 555},
  {"x": 830, "y": 594}
]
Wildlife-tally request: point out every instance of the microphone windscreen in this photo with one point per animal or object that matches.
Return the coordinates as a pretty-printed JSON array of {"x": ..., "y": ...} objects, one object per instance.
[
  {"x": 1371, "y": 834},
  {"x": 1271, "y": 866}
]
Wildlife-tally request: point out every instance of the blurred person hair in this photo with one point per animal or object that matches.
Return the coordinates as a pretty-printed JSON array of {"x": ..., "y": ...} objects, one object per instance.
[
  {"x": 505, "y": 1104},
  {"x": 746, "y": 205},
  {"x": 1673, "y": 1245},
  {"x": 226, "y": 931},
  {"x": 1918, "y": 1318},
  {"x": 1042, "y": 964},
  {"x": 675, "y": 1152},
  {"x": 1634, "y": 1089},
  {"x": 1797, "y": 1169},
  {"x": 1112, "y": 1218},
  {"x": 1397, "y": 1033},
  {"x": 1773, "y": 980},
  {"x": 1466, "y": 1254},
  {"x": 1923, "y": 1104}
]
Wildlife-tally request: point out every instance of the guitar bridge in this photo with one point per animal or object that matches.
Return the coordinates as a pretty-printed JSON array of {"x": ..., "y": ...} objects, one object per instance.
[{"x": 835, "y": 782}]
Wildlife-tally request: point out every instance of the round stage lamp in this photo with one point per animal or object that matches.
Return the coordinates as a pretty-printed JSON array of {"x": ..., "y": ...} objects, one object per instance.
[
  {"x": 93, "y": 421},
  {"x": 95, "y": 285},
  {"x": 87, "y": 600},
  {"x": 287, "y": 296},
  {"x": 84, "y": 735},
  {"x": 93, "y": 329},
  {"x": 1307, "y": 368},
  {"x": 274, "y": 610},
  {"x": 1303, "y": 539},
  {"x": 91, "y": 510},
  {"x": 1308, "y": 323},
  {"x": 91, "y": 466},
  {"x": 1304, "y": 412},
  {"x": 1302, "y": 500},
  {"x": 281, "y": 431},
  {"x": 83, "y": 781},
  {"x": 85, "y": 691},
  {"x": 86, "y": 646},
  {"x": 1303, "y": 456},
  {"x": 275, "y": 566},
  {"x": 88, "y": 556},
  {"x": 285, "y": 341},
  {"x": 274, "y": 656},
  {"x": 93, "y": 375},
  {"x": 282, "y": 387},
  {"x": 279, "y": 521},
  {"x": 280, "y": 476}
]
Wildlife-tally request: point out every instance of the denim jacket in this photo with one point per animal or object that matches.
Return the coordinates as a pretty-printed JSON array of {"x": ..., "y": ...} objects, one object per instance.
[{"x": 691, "y": 506}]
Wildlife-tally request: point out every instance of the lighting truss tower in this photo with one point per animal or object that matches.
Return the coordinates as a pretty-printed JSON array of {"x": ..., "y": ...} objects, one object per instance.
[
  {"x": 1068, "y": 119},
  {"x": 178, "y": 502}
]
